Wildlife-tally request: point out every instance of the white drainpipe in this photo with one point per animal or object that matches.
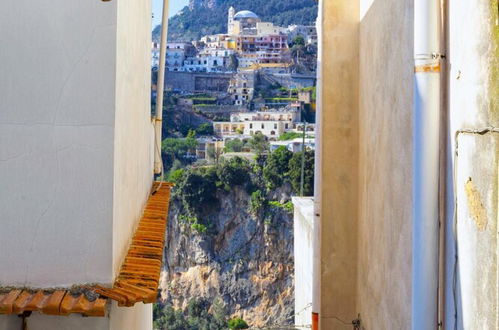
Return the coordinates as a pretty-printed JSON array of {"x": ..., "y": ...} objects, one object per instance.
[
  {"x": 426, "y": 164},
  {"x": 316, "y": 245},
  {"x": 158, "y": 122}
]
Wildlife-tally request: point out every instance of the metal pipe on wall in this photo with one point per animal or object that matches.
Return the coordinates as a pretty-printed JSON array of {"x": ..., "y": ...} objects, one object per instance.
[
  {"x": 158, "y": 121},
  {"x": 426, "y": 140}
]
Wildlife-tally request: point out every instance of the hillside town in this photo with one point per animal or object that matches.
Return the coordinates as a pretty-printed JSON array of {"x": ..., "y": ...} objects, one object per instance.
[{"x": 257, "y": 78}]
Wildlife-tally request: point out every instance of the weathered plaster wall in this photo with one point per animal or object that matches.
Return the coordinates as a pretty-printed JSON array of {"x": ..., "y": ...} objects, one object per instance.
[
  {"x": 138, "y": 317},
  {"x": 303, "y": 227},
  {"x": 133, "y": 153},
  {"x": 385, "y": 164},
  {"x": 339, "y": 156},
  {"x": 57, "y": 96},
  {"x": 473, "y": 104},
  {"x": 44, "y": 322}
]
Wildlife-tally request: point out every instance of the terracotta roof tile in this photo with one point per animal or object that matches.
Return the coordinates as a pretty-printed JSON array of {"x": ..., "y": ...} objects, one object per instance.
[
  {"x": 137, "y": 281},
  {"x": 139, "y": 275},
  {"x": 58, "y": 302}
]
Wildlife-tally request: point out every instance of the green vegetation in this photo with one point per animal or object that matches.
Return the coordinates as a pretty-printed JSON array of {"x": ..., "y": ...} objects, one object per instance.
[
  {"x": 238, "y": 323},
  {"x": 277, "y": 167},
  {"x": 257, "y": 201},
  {"x": 282, "y": 99},
  {"x": 290, "y": 136},
  {"x": 179, "y": 149},
  {"x": 199, "y": 227},
  {"x": 233, "y": 172},
  {"x": 176, "y": 175},
  {"x": 258, "y": 143},
  {"x": 295, "y": 172},
  {"x": 192, "y": 25},
  {"x": 199, "y": 188},
  {"x": 204, "y": 129},
  {"x": 199, "y": 315},
  {"x": 235, "y": 145},
  {"x": 288, "y": 206}
]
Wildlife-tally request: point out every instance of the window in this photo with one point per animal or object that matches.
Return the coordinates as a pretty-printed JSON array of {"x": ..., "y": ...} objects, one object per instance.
[
  {"x": 251, "y": 125},
  {"x": 275, "y": 126},
  {"x": 263, "y": 126}
]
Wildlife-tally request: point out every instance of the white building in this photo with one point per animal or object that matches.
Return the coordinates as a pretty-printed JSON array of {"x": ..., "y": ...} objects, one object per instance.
[
  {"x": 271, "y": 124},
  {"x": 294, "y": 145},
  {"x": 209, "y": 60},
  {"x": 176, "y": 53},
  {"x": 242, "y": 87},
  {"x": 308, "y": 32},
  {"x": 76, "y": 166}
]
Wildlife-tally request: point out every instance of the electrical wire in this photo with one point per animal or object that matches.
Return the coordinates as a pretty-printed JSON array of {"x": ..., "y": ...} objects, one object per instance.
[{"x": 481, "y": 131}]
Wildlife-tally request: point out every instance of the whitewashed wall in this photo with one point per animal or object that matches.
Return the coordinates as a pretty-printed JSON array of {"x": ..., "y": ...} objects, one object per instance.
[
  {"x": 133, "y": 153},
  {"x": 76, "y": 147},
  {"x": 57, "y": 110},
  {"x": 303, "y": 254},
  {"x": 473, "y": 104}
]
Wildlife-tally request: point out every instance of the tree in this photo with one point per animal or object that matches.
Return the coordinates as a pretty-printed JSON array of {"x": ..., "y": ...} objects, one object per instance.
[
  {"x": 299, "y": 40},
  {"x": 204, "y": 129},
  {"x": 234, "y": 172},
  {"x": 197, "y": 190},
  {"x": 258, "y": 143},
  {"x": 295, "y": 172},
  {"x": 176, "y": 175},
  {"x": 276, "y": 167},
  {"x": 235, "y": 145},
  {"x": 213, "y": 153}
]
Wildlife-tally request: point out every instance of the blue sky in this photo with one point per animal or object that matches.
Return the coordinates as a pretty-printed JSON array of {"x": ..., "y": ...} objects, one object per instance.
[{"x": 175, "y": 7}]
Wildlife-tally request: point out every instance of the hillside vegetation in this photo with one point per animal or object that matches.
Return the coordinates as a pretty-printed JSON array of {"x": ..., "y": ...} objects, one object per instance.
[{"x": 192, "y": 24}]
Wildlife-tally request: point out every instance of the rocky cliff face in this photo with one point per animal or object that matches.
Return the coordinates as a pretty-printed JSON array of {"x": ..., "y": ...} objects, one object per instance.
[{"x": 246, "y": 260}]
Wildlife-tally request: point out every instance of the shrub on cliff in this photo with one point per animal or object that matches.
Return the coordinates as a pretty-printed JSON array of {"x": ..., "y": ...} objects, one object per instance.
[
  {"x": 238, "y": 323},
  {"x": 197, "y": 190},
  {"x": 234, "y": 172}
]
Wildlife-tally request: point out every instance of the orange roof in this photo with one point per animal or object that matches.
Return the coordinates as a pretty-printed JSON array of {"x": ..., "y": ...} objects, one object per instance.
[
  {"x": 59, "y": 302},
  {"x": 138, "y": 280}
]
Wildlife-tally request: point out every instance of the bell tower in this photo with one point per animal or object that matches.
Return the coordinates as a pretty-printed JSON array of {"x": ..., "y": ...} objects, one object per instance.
[{"x": 230, "y": 25}]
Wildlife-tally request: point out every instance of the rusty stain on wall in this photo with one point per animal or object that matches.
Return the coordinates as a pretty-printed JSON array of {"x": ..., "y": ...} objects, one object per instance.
[{"x": 475, "y": 205}]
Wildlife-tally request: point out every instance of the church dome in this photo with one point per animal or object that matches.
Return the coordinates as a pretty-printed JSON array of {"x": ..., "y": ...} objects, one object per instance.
[{"x": 245, "y": 14}]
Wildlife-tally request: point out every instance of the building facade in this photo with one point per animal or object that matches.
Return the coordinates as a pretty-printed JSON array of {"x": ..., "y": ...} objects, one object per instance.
[
  {"x": 365, "y": 202},
  {"x": 272, "y": 124}
]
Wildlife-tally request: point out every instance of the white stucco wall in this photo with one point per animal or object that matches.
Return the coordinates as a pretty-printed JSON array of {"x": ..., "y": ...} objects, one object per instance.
[
  {"x": 473, "y": 104},
  {"x": 133, "y": 153},
  {"x": 44, "y": 322},
  {"x": 76, "y": 137},
  {"x": 138, "y": 317},
  {"x": 57, "y": 97},
  {"x": 385, "y": 164},
  {"x": 303, "y": 253}
]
